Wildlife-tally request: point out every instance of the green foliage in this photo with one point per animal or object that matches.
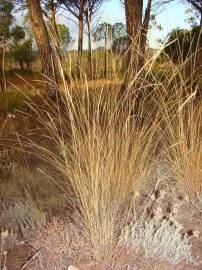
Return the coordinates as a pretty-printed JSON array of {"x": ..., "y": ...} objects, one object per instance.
[
  {"x": 21, "y": 49},
  {"x": 112, "y": 33},
  {"x": 21, "y": 53},
  {"x": 18, "y": 33},
  {"x": 120, "y": 44},
  {"x": 103, "y": 32},
  {"x": 6, "y": 18},
  {"x": 183, "y": 43},
  {"x": 118, "y": 30},
  {"x": 65, "y": 36}
]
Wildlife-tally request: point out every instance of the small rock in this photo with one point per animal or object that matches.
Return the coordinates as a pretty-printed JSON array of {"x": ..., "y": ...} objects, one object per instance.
[{"x": 71, "y": 267}]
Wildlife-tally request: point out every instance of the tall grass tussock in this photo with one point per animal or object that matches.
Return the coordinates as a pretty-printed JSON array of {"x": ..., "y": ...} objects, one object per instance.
[{"x": 114, "y": 152}]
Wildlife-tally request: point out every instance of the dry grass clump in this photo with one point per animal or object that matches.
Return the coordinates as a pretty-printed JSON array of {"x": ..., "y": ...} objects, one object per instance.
[
  {"x": 178, "y": 99},
  {"x": 105, "y": 154},
  {"x": 106, "y": 146},
  {"x": 183, "y": 145}
]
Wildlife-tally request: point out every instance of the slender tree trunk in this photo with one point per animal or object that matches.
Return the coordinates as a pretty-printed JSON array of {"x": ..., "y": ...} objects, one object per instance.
[
  {"x": 3, "y": 79},
  {"x": 1, "y": 71},
  {"x": 10, "y": 62},
  {"x": 106, "y": 57},
  {"x": 198, "y": 58},
  {"x": 80, "y": 40},
  {"x": 43, "y": 43},
  {"x": 80, "y": 35},
  {"x": 21, "y": 65},
  {"x": 90, "y": 56},
  {"x": 54, "y": 24},
  {"x": 144, "y": 33},
  {"x": 55, "y": 32},
  {"x": 133, "y": 11},
  {"x": 29, "y": 61}
]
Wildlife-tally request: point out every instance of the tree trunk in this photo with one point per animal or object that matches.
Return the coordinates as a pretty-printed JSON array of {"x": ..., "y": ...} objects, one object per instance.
[
  {"x": 2, "y": 69},
  {"x": 133, "y": 11},
  {"x": 43, "y": 43},
  {"x": 80, "y": 36},
  {"x": 80, "y": 39},
  {"x": 29, "y": 60},
  {"x": 55, "y": 32},
  {"x": 90, "y": 56},
  {"x": 21, "y": 65},
  {"x": 54, "y": 24},
  {"x": 144, "y": 33},
  {"x": 106, "y": 57}
]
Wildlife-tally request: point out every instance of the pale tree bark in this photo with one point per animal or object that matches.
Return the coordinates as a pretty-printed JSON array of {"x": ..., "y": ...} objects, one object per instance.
[{"x": 43, "y": 43}]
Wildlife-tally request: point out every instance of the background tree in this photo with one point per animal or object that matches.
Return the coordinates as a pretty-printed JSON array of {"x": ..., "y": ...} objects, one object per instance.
[
  {"x": 90, "y": 9},
  {"x": 111, "y": 35},
  {"x": 183, "y": 44},
  {"x": 120, "y": 44},
  {"x": 64, "y": 36},
  {"x": 83, "y": 11},
  {"x": 76, "y": 8},
  {"x": 50, "y": 9},
  {"x": 103, "y": 32},
  {"x": 6, "y": 19},
  {"x": 18, "y": 33},
  {"x": 21, "y": 48},
  {"x": 43, "y": 43},
  {"x": 118, "y": 30},
  {"x": 178, "y": 45},
  {"x": 119, "y": 37}
]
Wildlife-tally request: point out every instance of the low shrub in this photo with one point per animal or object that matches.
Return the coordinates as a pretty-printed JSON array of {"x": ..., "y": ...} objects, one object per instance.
[
  {"x": 21, "y": 217},
  {"x": 157, "y": 239}
]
